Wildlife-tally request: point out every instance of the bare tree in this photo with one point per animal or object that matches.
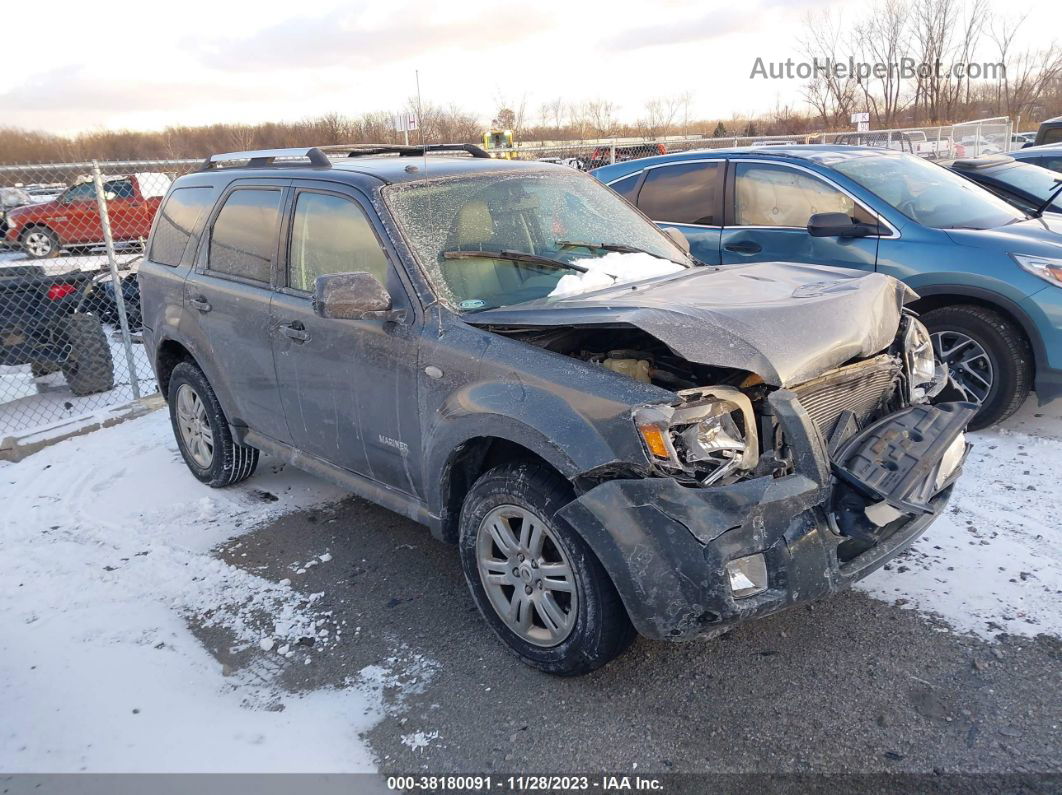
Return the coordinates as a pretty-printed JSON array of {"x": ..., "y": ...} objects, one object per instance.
[
  {"x": 660, "y": 113},
  {"x": 601, "y": 117},
  {"x": 834, "y": 91},
  {"x": 882, "y": 39}
]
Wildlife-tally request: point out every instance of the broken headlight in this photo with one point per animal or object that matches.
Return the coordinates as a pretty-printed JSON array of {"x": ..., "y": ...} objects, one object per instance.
[
  {"x": 925, "y": 376},
  {"x": 709, "y": 437}
]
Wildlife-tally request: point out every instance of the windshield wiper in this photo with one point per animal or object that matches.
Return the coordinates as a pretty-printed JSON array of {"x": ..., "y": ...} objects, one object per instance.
[
  {"x": 1039, "y": 211},
  {"x": 621, "y": 248},
  {"x": 514, "y": 256}
]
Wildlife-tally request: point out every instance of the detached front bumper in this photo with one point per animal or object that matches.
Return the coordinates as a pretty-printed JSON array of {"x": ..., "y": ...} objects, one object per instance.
[{"x": 667, "y": 546}]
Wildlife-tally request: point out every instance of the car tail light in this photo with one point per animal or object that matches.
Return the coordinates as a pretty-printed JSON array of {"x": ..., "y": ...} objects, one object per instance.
[{"x": 59, "y": 291}]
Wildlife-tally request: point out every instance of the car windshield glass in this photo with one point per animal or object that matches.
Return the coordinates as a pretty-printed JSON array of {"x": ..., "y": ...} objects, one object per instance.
[
  {"x": 927, "y": 193},
  {"x": 1036, "y": 181},
  {"x": 537, "y": 223}
]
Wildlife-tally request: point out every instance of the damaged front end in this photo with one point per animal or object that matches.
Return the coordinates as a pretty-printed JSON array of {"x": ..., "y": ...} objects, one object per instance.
[{"x": 759, "y": 497}]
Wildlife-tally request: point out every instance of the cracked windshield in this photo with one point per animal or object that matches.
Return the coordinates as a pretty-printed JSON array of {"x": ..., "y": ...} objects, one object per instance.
[{"x": 488, "y": 241}]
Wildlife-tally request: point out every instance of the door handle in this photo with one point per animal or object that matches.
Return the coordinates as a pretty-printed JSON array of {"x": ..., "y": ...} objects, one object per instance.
[
  {"x": 296, "y": 331},
  {"x": 744, "y": 247},
  {"x": 200, "y": 303}
]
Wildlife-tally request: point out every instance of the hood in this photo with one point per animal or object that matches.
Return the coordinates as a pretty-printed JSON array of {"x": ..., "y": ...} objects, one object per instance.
[
  {"x": 1033, "y": 236},
  {"x": 783, "y": 321}
]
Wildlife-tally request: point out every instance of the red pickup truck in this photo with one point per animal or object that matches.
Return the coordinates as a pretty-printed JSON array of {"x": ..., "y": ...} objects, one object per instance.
[{"x": 73, "y": 218}]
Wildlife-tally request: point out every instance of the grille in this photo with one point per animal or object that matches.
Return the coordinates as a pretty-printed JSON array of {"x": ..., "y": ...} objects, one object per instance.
[{"x": 861, "y": 388}]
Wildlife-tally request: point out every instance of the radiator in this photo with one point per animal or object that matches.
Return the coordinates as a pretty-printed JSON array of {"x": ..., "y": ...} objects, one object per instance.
[{"x": 862, "y": 388}]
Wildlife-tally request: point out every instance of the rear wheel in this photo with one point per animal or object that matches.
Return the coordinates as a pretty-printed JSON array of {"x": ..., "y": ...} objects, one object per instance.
[
  {"x": 40, "y": 242},
  {"x": 88, "y": 368},
  {"x": 535, "y": 580},
  {"x": 202, "y": 431},
  {"x": 988, "y": 359}
]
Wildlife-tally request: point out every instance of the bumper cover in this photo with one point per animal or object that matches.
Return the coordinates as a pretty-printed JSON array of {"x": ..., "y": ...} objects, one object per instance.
[{"x": 666, "y": 546}]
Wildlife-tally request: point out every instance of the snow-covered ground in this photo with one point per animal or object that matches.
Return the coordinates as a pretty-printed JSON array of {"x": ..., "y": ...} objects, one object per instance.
[
  {"x": 106, "y": 557},
  {"x": 105, "y": 554}
]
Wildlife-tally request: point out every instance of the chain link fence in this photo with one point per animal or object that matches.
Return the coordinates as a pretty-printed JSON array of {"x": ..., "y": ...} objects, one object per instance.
[
  {"x": 73, "y": 235},
  {"x": 70, "y": 324}
]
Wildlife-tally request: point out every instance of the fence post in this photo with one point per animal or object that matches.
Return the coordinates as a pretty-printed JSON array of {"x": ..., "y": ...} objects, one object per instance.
[
  {"x": 119, "y": 299},
  {"x": 612, "y": 153}
]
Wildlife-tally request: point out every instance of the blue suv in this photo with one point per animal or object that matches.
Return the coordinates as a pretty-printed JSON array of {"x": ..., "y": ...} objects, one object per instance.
[{"x": 989, "y": 275}]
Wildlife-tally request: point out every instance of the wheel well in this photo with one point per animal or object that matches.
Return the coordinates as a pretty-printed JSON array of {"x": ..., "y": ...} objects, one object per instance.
[
  {"x": 170, "y": 354},
  {"x": 35, "y": 225},
  {"x": 931, "y": 302},
  {"x": 466, "y": 464}
]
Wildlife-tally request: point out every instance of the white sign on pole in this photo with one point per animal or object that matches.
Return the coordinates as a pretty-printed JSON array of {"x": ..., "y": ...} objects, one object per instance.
[
  {"x": 858, "y": 118},
  {"x": 404, "y": 122}
]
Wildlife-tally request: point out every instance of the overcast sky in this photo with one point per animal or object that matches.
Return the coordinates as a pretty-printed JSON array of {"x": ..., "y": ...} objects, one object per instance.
[{"x": 147, "y": 65}]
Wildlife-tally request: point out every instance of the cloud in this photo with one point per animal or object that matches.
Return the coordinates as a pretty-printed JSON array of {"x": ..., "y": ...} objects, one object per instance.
[
  {"x": 683, "y": 31},
  {"x": 344, "y": 37}
]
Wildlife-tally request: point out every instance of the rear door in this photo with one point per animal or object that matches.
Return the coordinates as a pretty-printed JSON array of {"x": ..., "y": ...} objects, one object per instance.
[
  {"x": 349, "y": 387},
  {"x": 228, "y": 295},
  {"x": 768, "y": 207},
  {"x": 687, "y": 195}
]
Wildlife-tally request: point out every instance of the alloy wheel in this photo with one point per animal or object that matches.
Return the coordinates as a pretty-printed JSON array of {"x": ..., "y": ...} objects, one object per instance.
[
  {"x": 38, "y": 244},
  {"x": 527, "y": 575},
  {"x": 195, "y": 428},
  {"x": 970, "y": 371}
]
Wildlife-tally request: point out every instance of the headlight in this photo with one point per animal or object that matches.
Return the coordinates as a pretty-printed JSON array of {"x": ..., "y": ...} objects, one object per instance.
[
  {"x": 1047, "y": 268},
  {"x": 926, "y": 378},
  {"x": 710, "y": 436}
]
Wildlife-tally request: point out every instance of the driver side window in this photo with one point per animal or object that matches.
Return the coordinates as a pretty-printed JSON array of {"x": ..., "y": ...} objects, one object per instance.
[
  {"x": 330, "y": 234},
  {"x": 776, "y": 195}
]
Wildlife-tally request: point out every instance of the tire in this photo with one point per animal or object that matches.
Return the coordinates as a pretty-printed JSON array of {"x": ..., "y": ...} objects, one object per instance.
[
  {"x": 40, "y": 242},
  {"x": 88, "y": 368},
  {"x": 42, "y": 369},
  {"x": 1006, "y": 351},
  {"x": 228, "y": 463},
  {"x": 596, "y": 627}
]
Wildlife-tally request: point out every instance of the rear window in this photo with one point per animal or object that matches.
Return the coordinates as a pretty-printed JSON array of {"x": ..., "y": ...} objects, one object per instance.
[
  {"x": 684, "y": 193},
  {"x": 243, "y": 241},
  {"x": 177, "y": 222}
]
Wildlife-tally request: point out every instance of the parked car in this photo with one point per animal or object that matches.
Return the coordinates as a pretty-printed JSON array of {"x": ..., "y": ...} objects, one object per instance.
[
  {"x": 1028, "y": 187},
  {"x": 73, "y": 219},
  {"x": 43, "y": 323},
  {"x": 989, "y": 277},
  {"x": 1049, "y": 156},
  {"x": 1020, "y": 140},
  {"x": 615, "y": 439},
  {"x": 602, "y": 155},
  {"x": 1050, "y": 132},
  {"x": 914, "y": 142},
  {"x": 977, "y": 145}
]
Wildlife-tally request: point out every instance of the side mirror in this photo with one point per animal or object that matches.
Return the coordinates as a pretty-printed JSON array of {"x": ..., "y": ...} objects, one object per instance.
[
  {"x": 678, "y": 238},
  {"x": 349, "y": 296},
  {"x": 837, "y": 225}
]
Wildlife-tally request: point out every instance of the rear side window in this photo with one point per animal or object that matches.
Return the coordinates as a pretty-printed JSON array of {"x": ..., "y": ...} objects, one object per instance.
[
  {"x": 177, "y": 221},
  {"x": 1052, "y": 135},
  {"x": 243, "y": 241},
  {"x": 625, "y": 187},
  {"x": 330, "y": 234},
  {"x": 684, "y": 193}
]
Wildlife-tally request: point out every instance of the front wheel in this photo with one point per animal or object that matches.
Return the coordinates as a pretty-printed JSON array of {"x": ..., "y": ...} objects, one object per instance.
[
  {"x": 535, "y": 580},
  {"x": 988, "y": 359}
]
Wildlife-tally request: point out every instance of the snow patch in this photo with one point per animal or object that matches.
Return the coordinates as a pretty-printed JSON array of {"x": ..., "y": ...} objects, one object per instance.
[{"x": 613, "y": 268}]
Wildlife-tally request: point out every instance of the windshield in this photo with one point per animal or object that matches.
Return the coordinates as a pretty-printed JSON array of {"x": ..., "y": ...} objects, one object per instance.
[
  {"x": 541, "y": 234},
  {"x": 1033, "y": 180},
  {"x": 927, "y": 193}
]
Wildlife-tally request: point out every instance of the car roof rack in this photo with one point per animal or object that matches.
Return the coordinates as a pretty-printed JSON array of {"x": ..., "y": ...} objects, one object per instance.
[
  {"x": 259, "y": 158},
  {"x": 411, "y": 150}
]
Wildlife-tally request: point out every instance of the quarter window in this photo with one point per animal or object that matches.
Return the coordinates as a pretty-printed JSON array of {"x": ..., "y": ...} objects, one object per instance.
[
  {"x": 684, "y": 193},
  {"x": 331, "y": 234},
  {"x": 177, "y": 220},
  {"x": 1053, "y": 135},
  {"x": 243, "y": 241},
  {"x": 625, "y": 187},
  {"x": 770, "y": 195}
]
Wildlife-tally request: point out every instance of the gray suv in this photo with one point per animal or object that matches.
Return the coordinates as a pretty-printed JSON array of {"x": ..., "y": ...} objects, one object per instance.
[{"x": 618, "y": 438}]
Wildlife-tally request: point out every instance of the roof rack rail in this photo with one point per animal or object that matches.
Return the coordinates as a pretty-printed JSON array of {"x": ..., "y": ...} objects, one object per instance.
[
  {"x": 412, "y": 150},
  {"x": 266, "y": 157}
]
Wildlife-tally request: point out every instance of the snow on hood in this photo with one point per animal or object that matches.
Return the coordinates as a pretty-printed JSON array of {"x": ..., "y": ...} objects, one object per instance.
[
  {"x": 784, "y": 321},
  {"x": 613, "y": 268}
]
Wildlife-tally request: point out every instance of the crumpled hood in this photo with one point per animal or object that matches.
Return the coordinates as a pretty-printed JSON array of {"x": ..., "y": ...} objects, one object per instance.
[{"x": 785, "y": 322}]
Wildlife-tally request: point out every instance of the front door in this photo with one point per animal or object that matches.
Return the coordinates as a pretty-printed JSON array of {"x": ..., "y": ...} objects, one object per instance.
[
  {"x": 768, "y": 209},
  {"x": 228, "y": 297},
  {"x": 348, "y": 386}
]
